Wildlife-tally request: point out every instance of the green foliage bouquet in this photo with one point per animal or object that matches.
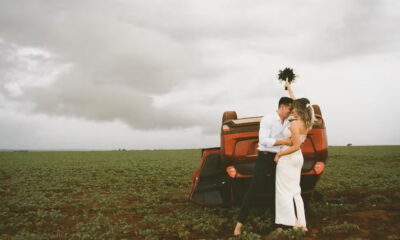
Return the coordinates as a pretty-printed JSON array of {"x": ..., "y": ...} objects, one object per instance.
[{"x": 286, "y": 74}]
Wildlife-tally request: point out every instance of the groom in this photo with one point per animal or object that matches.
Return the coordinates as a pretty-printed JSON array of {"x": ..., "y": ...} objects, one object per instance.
[{"x": 270, "y": 139}]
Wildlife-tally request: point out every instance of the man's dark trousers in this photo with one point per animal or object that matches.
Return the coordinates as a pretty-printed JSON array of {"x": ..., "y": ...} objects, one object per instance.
[{"x": 264, "y": 165}]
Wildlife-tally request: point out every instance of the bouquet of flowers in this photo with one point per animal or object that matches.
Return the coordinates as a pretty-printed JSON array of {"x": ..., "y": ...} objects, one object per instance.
[{"x": 286, "y": 74}]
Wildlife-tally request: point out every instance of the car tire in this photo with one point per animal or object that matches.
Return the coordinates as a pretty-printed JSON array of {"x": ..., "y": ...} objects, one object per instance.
[
  {"x": 229, "y": 115},
  {"x": 317, "y": 110}
]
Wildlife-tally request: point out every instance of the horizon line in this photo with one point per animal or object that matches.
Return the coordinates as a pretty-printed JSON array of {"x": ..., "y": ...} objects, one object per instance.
[{"x": 144, "y": 149}]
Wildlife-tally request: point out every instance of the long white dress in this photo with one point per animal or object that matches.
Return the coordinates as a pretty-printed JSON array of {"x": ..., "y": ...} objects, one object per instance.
[{"x": 287, "y": 190}]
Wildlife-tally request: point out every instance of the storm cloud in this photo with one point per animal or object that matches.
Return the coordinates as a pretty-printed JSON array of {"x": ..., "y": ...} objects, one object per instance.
[{"x": 160, "y": 65}]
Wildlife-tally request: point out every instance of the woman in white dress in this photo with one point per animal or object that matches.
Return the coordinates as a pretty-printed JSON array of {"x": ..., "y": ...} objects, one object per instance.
[{"x": 289, "y": 208}]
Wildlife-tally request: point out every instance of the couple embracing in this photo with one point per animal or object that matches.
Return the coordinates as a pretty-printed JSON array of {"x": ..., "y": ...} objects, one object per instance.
[{"x": 280, "y": 156}]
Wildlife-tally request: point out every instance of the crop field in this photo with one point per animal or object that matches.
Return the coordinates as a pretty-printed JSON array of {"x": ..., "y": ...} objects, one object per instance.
[{"x": 144, "y": 195}]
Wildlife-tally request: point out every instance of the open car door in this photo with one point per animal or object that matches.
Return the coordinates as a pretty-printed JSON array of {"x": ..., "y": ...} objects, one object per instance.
[{"x": 210, "y": 182}]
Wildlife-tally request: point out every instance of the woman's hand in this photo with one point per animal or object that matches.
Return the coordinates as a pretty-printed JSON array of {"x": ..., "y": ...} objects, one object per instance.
[
  {"x": 287, "y": 84},
  {"x": 277, "y": 156}
]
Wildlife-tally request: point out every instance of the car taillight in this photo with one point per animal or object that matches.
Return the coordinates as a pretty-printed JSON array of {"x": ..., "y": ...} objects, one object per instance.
[
  {"x": 231, "y": 170},
  {"x": 317, "y": 170},
  {"x": 319, "y": 167}
]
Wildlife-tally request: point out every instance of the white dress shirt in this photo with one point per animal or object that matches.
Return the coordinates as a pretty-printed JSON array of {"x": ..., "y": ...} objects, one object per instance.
[{"x": 271, "y": 129}]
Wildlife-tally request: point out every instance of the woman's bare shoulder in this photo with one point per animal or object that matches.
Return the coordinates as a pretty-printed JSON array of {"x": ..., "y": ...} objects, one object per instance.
[
  {"x": 298, "y": 125},
  {"x": 295, "y": 123}
]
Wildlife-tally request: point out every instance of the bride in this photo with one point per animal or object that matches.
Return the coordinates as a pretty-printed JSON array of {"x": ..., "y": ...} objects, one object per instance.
[{"x": 289, "y": 208}]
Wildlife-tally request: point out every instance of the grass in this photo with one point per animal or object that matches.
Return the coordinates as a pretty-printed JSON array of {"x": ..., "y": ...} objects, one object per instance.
[
  {"x": 340, "y": 228},
  {"x": 143, "y": 195}
]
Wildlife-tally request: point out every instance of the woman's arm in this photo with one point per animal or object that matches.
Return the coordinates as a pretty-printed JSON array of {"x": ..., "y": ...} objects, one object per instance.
[
  {"x": 286, "y": 141},
  {"x": 289, "y": 88},
  {"x": 295, "y": 129}
]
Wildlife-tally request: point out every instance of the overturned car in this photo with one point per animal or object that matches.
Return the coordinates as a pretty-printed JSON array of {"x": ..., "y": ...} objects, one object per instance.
[{"x": 225, "y": 172}]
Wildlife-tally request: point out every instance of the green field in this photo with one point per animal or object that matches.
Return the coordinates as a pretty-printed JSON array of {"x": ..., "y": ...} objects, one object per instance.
[{"x": 144, "y": 195}]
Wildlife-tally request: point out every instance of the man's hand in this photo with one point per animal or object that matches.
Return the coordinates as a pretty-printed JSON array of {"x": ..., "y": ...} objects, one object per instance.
[{"x": 277, "y": 156}]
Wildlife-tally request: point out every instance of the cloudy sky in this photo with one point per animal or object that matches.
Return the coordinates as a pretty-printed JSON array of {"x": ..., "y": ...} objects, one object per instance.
[{"x": 158, "y": 74}]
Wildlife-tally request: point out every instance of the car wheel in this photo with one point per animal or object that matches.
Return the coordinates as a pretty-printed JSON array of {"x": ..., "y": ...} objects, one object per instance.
[{"x": 317, "y": 110}]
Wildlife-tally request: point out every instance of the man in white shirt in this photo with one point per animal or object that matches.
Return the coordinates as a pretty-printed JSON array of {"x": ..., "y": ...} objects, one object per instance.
[{"x": 271, "y": 139}]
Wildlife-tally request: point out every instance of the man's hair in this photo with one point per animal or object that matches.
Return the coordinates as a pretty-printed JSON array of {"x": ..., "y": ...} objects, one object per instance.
[{"x": 285, "y": 100}]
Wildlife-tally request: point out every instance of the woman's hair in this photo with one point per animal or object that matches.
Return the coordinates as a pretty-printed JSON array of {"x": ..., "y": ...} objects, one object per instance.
[{"x": 304, "y": 110}]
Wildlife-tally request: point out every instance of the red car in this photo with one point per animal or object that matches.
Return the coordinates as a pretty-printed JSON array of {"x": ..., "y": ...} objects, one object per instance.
[{"x": 225, "y": 172}]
